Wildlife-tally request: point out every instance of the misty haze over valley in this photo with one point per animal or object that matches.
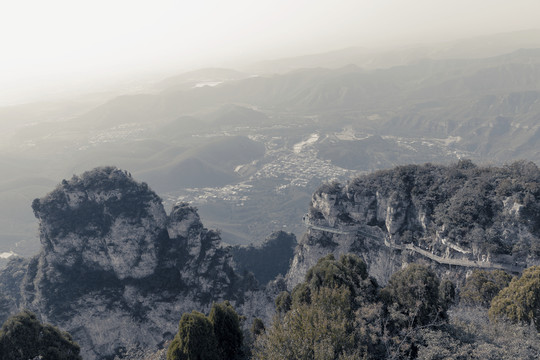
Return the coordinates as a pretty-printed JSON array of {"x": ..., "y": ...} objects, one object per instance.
[{"x": 249, "y": 146}]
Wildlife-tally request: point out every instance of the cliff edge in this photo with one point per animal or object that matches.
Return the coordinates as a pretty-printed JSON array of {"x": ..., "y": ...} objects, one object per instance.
[{"x": 455, "y": 218}]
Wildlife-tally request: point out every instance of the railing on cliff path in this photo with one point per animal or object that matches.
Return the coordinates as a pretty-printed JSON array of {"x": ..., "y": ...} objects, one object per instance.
[{"x": 439, "y": 259}]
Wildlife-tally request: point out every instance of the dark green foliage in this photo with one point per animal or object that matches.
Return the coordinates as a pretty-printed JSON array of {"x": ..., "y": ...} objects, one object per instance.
[
  {"x": 447, "y": 293},
  {"x": 520, "y": 301},
  {"x": 334, "y": 314},
  {"x": 338, "y": 312},
  {"x": 413, "y": 295},
  {"x": 218, "y": 336},
  {"x": 349, "y": 272},
  {"x": 268, "y": 260},
  {"x": 195, "y": 339},
  {"x": 226, "y": 324},
  {"x": 472, "y": 205},
  {"x": 283, "y": 302},
  {"x": 320, "y": 330},
  {"x": 482, "y": 286},
  {"x": 257, "y": 328},
  {"x": 23, "y": 337},
  {"x": 407, "y": 319}
]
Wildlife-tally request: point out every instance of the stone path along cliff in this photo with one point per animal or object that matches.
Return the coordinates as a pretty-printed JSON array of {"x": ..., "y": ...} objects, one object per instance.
[{"x": 439, "y": 259}]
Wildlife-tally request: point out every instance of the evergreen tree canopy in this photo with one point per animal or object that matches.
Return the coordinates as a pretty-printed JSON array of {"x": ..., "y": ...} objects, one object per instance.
[
  {"x": 283, "y": 302},
  {"x": 23, "y": 336},
  {"x": 216, "y": 337},
  {"x": 447, "y": 293},
  {"x": 195, "y": 339},
  {"x": 257, "y": 328},
  {"x": 520, "y": 301},
  {"x": 226, "y": 324},
  {"x": 482, "y": 286},
  {"x": 414, "y": 292},
  {"x": 350, "y": 272},
  {"x": 333, "y": 314}
]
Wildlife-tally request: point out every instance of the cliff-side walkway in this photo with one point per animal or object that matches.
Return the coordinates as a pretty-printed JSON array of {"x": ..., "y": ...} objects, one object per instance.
[{"x": 411, "y": 247}]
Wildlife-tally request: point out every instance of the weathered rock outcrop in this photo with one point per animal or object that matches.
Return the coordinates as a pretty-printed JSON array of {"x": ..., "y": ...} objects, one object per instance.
[
  {"x": 116, "y": 271},
  {"x": 455, "y": 218}
]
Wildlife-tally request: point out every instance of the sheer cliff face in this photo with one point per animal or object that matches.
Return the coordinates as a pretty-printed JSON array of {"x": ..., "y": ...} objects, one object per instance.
[
  {"x": 459, "y": 215},
  {"x": 116, "y": 271}
]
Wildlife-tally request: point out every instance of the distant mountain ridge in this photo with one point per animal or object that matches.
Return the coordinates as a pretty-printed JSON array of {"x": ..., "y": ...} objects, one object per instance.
[
  {"x": 471, "y": 48},
  {"x": 349, "y": 88}
]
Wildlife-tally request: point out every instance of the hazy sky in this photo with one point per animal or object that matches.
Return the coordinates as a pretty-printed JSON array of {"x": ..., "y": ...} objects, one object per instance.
[{"x": 48, "y": 45}]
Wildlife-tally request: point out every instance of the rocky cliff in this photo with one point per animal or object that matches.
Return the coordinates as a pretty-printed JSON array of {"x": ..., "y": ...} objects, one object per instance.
[
  {"x": 456, "y": 218},
  {"x": 115, "y": 270},
  {"x": 267, "y": 260}
]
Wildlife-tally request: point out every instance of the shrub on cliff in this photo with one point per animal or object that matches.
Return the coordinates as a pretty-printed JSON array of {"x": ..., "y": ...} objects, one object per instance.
[
  {"x": 339, "y": 312},
  {"x": 23, "y": 337},
  {"x": 520, "y": 301},
  {"x": 333, "y": 313},
  {"x": 218, "y": 336}
]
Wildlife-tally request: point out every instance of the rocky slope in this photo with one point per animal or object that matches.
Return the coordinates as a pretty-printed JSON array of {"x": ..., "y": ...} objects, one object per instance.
[
  {"x": 456, "y": 218},
  {"x": 116, "y": 271}
]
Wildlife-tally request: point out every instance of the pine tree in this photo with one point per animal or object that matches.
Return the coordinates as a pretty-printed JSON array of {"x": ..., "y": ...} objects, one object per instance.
[
  {"x": 226, "y": 324},
  {"x": 195, "y": 339}
]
